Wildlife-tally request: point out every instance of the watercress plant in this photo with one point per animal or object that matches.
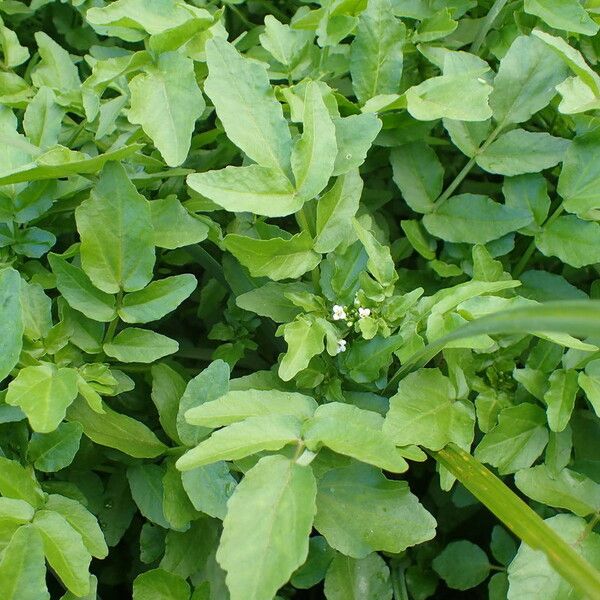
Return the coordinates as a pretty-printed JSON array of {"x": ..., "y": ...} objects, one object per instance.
[{"x": 299, "y": 299}]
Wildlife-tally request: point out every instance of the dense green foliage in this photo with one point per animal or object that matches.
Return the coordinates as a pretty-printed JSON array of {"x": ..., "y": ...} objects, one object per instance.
[{"x": 274, "y": 275}]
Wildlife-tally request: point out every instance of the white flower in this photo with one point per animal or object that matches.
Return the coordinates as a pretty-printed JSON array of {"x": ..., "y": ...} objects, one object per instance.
[
  {"x": 339, "y": 313},
  {"x": 341, "y": 346},
  {"x": 364, "y": 312}
]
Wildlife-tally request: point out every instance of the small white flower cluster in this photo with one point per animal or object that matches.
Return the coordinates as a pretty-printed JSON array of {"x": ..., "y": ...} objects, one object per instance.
[{"x": 339, "y": 313}]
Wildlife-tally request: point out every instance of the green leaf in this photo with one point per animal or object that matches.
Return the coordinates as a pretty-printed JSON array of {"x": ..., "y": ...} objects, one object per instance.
[
  {"x": 568, "y": 15},
  {"x": 560, "y": 398},
  {"x": 590, "y": 384},
  {"x": 209, "y": 488},
  {"x": 131, "y": 19},
  {"x": 175, "y": 37},
  {"x": 529, "y": 192},
  {"x": 11, "y": 324},
  {"x": 33, "y": 242},
  {"x": 157, "y": 299},
  {"x": 313, "y": 571},
  {"x": 376, "y": 52},
  {"x": 571, "y": 317},
  {"x": 177, "y": 507},
  {"x": 460, "y": 96},
  {"x": 118, "y": 508},
  {"x": 16, "y": 510},
  {"x": 276, "y": 258},
  {"x": 82, "y": 521},
  {"x": 314, "y": 154},
  {"x": 573, "y": 59},
  {"x": 51, "y": 452},
  {"x": 517, "y": 441},
  {"x": 209, "y": 385},
  {"x": 146, "y": 484},
  {"x": 167, "y": 88},
  {"x": 462, "y": 565},
  {"x": 526, "y": 80},
  {"x": 424, "y": 412},
  {"x": 270, "y": 301},
  {"x": 140, "y": 345},
  {"x": 435, "y": 27},
  {"x": 359, "y": 511},
  {"x": 365, "y": 579},
  {"x": 19, "y": 483},
  {"x": 91, "y": 595},
  {"x": 42, "y": 119},
  {"x": 115, "y": 430},
  {"x": 159, "y": 584},
  {"x": 52, "y": 165},
  {"x": 419, "y": 175},
  {"x": 235, "y": 406},
  {"x": 43, "y": 393},
  {"x": 418, "y": 238},
  {"x": 187, "y": 552},
  {"x": 365, "y": 360},
  {"x": 474, "y": 219},
  {"x": 261, "y": 190},
  {"x": 253, "y": 435},
  {"x": 64, "y": 550},
  {"x": 520, "y": 151},
  {"x": 573, "y": 240},
  {"x": 81, "y": 294},
  {"x": 354, "y": 135},
  {"x": 286, "y": 491},
  {"x": 55, "y": 70},
  {"x": 244, "y": 100},
  {"x": 14, "y": 53},
  {"x": 349, "y": 430},
  {"x": 173, "y": 226},
  {"x": 567, "y": 489},
  {"x": 304, "y": 337},
  {"x": 285, "y": 44},
  {"x": 530, "y": 573},
  {"x": 380, "y": 263},
  {"x": 167, "y": 388},
  {"x": 335, "y": 211},
  {"x": 502, "y": 545},
  {"x": 580, "y": 177},
  {"x": 22, "y": 568},
  {"x": 467, "y": 136},
  {"x": 117, "y": 250}
]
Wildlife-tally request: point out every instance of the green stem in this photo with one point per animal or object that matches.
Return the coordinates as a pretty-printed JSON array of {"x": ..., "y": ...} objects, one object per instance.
[
  {"x": 589, "y": 527},
  {"x": 486, "y": 25},
  {"x": 398, "y": 581},
  {"x": 467, "y": 168},
  {"x": 520, "y": 519},
  {"x": 112, "y": 327},
  {"x": 524, "y": 260}
]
